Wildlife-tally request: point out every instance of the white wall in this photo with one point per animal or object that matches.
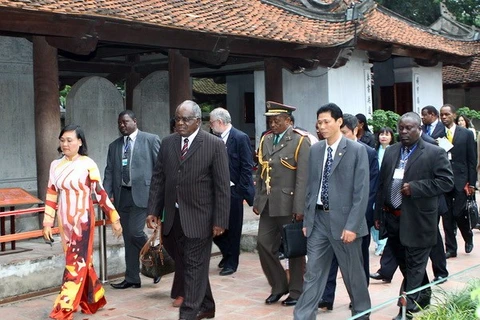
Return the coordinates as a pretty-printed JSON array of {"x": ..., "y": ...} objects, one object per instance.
[
  {"x": 429, "y": 89},
  {"x": 347, "y": 85},
  {"x": 237, "y": 86},
  {"x": 307, "y": 92},
  {"x": 260, "y": 123}
]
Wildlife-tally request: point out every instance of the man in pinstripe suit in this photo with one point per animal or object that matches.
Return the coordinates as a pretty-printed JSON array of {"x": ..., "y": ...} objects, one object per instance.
[{"x": 191, "y": 184}]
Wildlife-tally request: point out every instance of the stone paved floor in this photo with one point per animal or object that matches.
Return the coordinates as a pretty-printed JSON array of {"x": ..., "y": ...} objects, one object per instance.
[{"x": 239, "y": 296}]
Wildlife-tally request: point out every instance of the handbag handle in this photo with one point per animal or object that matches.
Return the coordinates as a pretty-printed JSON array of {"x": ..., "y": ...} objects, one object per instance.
[{"x": 157, "y": 234}]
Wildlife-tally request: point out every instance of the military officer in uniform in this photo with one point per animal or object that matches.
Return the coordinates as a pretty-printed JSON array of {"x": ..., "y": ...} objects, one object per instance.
[{"x": 280, "y": 196}]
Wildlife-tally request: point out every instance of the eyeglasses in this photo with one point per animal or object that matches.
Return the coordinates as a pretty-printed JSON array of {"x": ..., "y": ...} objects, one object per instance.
[
  {"x": 213, "y": 121},
  {"x": 185, "y": 119}
]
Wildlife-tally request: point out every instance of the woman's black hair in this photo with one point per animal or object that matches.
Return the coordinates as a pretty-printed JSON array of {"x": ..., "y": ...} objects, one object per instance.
[
  {"x": 385, "y": 130},
  {"x": 83, "y": 150},
  {"x": 361, "y": 118},
  {"x": 468, "y": 123}
]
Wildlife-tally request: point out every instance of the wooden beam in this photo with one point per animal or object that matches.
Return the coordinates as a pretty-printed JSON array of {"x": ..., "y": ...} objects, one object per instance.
[
  {"x": 82, "y": 46},
  {"x": 93, "y": 67}
]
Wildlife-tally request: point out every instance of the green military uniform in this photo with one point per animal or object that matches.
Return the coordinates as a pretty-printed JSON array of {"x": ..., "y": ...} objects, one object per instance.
[{"x": 279, "y": 193}]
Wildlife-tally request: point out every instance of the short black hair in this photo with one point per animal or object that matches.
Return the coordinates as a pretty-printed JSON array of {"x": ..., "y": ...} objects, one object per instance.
[
  {"x": 385, "y": 130},
  {"x": 431, "y": 110},
  {"x": 334, "y": 110},
  {"x": 349, "y": 121},
  {"x": 129, "y": 113},
  {"x": 361, "y": 118},
  {"x": 83, "y": 150},
  {"x": 452, "y": 108}
]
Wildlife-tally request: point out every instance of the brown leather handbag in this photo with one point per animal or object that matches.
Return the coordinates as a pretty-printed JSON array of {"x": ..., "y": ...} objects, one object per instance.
[{"x": 155, "y": 260}]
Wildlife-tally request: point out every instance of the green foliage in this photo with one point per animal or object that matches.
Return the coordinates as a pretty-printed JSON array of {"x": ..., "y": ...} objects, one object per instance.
[
  {"x": 469, "y": 113},
  {"x": 426, "y": 12},
  {"x": 466, "y": 11},
  {"x": 382, "y": 118},
  {"x": 63, "y": 95},
  {"x": 206, "y": 107},
  {"x": 459, "y": 305}
]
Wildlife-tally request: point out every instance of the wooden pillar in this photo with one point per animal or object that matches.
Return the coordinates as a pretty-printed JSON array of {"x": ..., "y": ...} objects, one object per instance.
[
  {"x": 132, "y": 80},
  {"x": 179, "y": 79},
  {"x": 47, "y": 109},
  {"x": 273, "y": 80}
]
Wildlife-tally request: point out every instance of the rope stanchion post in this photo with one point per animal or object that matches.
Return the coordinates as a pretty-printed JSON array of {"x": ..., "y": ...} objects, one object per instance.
[
  {"x": 403, "y": 304},
  {"x": 102, "y": 245}
]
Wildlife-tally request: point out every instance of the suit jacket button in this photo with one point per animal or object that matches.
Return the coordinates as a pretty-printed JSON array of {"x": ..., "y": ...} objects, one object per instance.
[{"x": 291, "y": 193}]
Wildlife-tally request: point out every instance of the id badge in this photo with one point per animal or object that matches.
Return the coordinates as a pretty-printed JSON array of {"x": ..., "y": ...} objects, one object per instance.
[
  {"x": 124, "y": 162},
  {"x": 398, "y": 174}
]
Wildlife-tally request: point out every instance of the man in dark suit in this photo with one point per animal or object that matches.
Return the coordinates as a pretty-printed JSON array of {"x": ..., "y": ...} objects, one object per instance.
[
  {"x": 463, "y": 158},
  {"x": 190, "y": 184},
  {"x": 279, "y": 196},
  {"x": 129, "y": 169},
  {"x": 388, "y": 263},
  {"x": 413, "y": 175},
  {"x": 349, "y": 130},
  {"x": 334, "y": 222},
  {"x": 432, "y": 126},
  {"x": 240, "y": 160}
]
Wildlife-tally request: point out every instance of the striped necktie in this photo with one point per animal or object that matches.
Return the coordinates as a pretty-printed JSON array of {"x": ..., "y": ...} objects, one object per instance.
[{"x": 184, "y": 148}]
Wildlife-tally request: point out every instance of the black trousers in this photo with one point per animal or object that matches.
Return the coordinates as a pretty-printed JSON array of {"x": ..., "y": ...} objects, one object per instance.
[
  {"x": 132, "y": 219},
  {"x": 456, "y": 214},
  {"x": 173, "y": 243},
  {"x": 196, "y": 262},
  {"x": 229, "y": 242},
  {"x": 388, "y": 263},
  {"x": 412, "y": 262}
]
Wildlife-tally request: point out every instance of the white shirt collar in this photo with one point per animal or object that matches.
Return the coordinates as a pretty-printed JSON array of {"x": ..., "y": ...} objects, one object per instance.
[
  {"x": 133, "y": 136},
  {"x": 190, "y": 137}
]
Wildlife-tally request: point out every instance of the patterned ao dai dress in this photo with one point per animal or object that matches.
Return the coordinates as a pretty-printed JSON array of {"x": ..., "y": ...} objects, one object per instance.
[{"x": 70, "y": 185}]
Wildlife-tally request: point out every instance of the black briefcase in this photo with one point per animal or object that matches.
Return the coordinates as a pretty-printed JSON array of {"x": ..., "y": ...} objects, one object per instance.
[{"x": 293, "y": 240}]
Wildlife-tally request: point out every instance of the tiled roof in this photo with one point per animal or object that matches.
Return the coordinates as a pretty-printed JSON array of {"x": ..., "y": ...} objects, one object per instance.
[
  {"x": 208, "y": 86},
  {"x": 381, "y": 26},
  {"x": 455, "y": 75},
  {"x": 250, "y": 18}
]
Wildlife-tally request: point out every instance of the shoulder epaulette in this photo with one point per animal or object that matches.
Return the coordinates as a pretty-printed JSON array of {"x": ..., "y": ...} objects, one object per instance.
[{"x": 300, "y": 131}]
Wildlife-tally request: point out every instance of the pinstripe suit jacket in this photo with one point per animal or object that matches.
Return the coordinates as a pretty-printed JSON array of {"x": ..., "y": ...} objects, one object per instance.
[{"x": 200, "y": 184}]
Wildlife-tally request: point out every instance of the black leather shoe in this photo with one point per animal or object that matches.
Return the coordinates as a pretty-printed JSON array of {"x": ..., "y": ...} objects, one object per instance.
[
  {"x": 440, "y": 279},
  {"x": 378, "y": 276},
  {"x": 124, "y": 285},
  {"x": 325, "y": 305},
  {"x": 156, "y": 280},
  {"x": 207, "y": 314},
  {"x": 399, "y": 316},
  {"x": 221, "y": 264},
  {"x": 449, "y": 255},
  {"x": 227, "y": 271},
  {"x": 289, "y": 302},
  {"x": 468, "y": 247},
  {"x": 274, "y": 297}
]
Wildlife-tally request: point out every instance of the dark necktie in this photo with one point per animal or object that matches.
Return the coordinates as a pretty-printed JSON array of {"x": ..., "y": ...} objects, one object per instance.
[
  {"x": 326, "y": 174},
  {"x": 184, "y": 148},
  {"x": 276, "y": 139},
  {"x": 428, "y": 127},
  {"x": 127, "y": 151},
  {"x": 396, "y": 195}
]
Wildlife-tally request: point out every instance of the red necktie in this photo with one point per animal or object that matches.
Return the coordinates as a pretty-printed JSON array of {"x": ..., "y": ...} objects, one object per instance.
[{"x": 184, "y": 148}]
